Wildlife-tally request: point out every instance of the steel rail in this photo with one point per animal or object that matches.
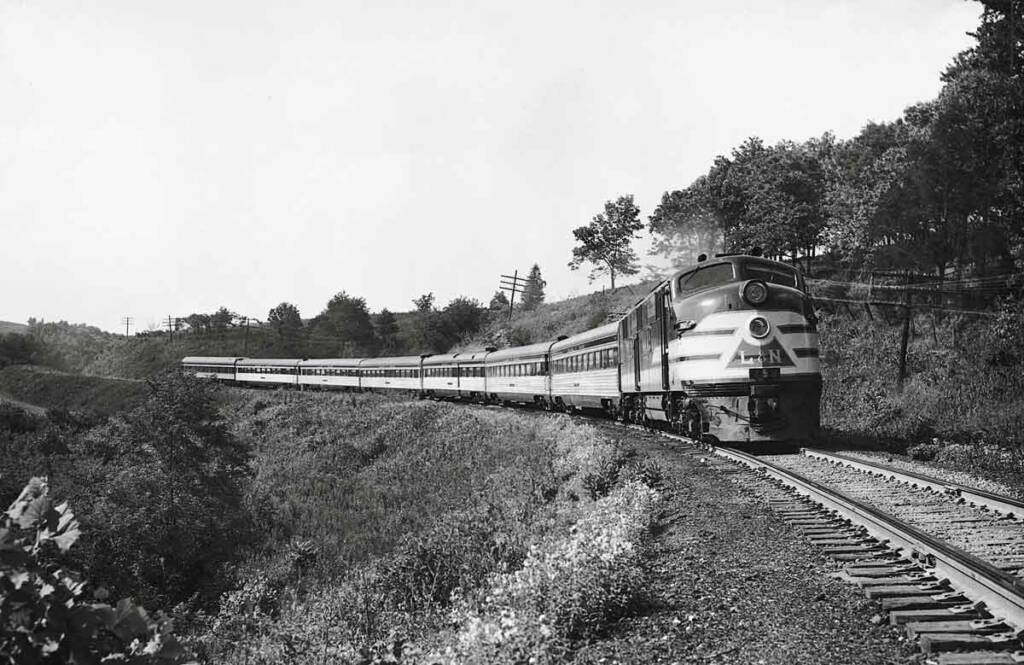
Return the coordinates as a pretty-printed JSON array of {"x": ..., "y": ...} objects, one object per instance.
[
  {"x": 1003, "y": 504},
  {"x": 1002, "y": 593}
]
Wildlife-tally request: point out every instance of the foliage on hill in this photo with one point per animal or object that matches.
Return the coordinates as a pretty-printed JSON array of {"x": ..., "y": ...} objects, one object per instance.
[
  {"x": 964, "y": 386},
  {"x": 8, "y": 327},
  {"x": 940, "y": 187},
  {"x": 71, "y": 392},
  {"x": 566, "y": 317},
  {"x": 382, "y": 514},
  {"x": 158, "y": 489}
]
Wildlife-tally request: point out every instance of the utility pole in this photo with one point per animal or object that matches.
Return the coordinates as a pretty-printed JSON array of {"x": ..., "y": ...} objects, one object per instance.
[
  {"x": 127, "y": 321},
  {"x": 245, "y": 351},
  {"x": 513, "y": 284},
  {"x": 905, "y": 337},
  {"x": 171, "y": 325}
]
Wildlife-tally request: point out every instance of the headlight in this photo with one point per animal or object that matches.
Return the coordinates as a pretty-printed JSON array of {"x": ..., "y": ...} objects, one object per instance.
[
  {"x": 759, "y": 327},
  {"x": 755, "y": 292}
]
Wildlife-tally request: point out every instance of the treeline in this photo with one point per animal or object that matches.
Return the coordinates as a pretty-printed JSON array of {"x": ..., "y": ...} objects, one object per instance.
[
  {"x": 940, "y": 188},
  {"x": 347, "y": 328}
]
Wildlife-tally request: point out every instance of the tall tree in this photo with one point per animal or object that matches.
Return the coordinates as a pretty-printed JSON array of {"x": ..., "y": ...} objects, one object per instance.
[
  {"x": 462, "y": 316},
  {"x": 347, "y": 319},
  {"x": 222, "y": 318},
  {"x": 606, "y": 241},
  {"x": 499, "y": 301},
  {"x": 386, "y": 326},
  {"x": 285, "y": 320},
  {"x": 686, "y": 224},
  {"x": 533, "y": 292},
  {"x": 425, "y": 303}
]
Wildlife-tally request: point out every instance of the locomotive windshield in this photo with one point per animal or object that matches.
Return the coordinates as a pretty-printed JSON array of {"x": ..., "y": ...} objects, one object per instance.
[
  {"x": 705, "y": 276},
  {"x": 771, "y": 272}
]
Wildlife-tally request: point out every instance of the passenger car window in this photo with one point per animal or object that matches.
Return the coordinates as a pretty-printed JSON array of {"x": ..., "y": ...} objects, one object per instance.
[{"x": 702, "y": 278}]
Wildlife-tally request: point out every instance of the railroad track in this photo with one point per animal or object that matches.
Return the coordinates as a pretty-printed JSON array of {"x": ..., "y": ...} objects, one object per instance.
[{"x": 960, "y": 606}]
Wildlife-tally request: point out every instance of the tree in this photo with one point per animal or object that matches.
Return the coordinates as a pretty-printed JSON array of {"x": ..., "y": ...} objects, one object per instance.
[
  {"x": 686, "y": 224},
  {"x": 347, "y": 320},
  {"x": 462, "y": 316},
  {"x": 533, "y": 293},
  {"x": 163, "y": 486},
  {"x": 499, "y": 302},
  {"x": 605, "y": 242},
  {"x": 285, "y": 320},
  {"x": 386, "y": 326},
  {"x": 222, "y": 318},
  {"x": 424, "y": 303}
]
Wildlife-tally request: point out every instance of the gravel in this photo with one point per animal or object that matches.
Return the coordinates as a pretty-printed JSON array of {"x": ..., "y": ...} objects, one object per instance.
[
  {"x": 730, "y": 582},
  {"x": 988, "y": 535},
  {"x": 943, "y": 473}
]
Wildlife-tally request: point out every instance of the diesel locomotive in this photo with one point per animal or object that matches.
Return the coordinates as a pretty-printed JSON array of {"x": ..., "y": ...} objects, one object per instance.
[{"x": 723, "y": 351}]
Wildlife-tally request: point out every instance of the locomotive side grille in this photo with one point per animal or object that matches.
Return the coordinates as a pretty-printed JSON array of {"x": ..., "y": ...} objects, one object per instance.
[
  {"x": 724, "y": 332},
  {"x": 809, "y": 352},
  {"x": 718, "y": 390},
  {"x": 796, "y": 328},
  {"x": 704, "y": 356}
]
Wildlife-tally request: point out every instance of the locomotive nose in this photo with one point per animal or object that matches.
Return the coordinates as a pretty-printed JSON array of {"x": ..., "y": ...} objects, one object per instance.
[{"x": 763, "y": 403}]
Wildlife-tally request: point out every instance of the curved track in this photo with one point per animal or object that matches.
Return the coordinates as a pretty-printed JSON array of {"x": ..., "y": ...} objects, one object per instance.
[{"x": 959, "y": 606}]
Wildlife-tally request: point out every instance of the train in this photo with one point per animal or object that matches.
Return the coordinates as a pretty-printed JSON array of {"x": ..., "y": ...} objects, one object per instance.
[{"x": 724, "y": 351}]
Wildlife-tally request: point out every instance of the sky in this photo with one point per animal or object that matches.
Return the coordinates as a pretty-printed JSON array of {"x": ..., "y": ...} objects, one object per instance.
[{"x": 164, "y": 158}]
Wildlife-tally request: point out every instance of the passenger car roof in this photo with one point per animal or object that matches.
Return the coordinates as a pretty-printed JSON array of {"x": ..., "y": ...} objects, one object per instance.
[
  {"x": 516, "y": 352},
  {"x": 607, "y": 330}
]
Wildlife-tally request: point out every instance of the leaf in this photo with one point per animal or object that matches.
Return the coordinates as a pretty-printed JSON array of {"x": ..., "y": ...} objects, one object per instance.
[
  {"x": 18, "y": 578},
  {"x": 67, "y": 539},
  {"x": 34, "y": 512}
]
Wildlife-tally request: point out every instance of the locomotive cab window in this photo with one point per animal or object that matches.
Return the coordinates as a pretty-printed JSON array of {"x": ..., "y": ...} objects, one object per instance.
[
  {"x": 775, "y": 274},
  {"x": 704, "y": 277}
]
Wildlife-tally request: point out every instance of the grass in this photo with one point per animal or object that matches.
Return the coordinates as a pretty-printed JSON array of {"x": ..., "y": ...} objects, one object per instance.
[
  {"x": 384, "y": 517},
  {"x": 565, "y": 317},
  {"x": 11, "y": 327},
  {"x": 50, "y": 389}
]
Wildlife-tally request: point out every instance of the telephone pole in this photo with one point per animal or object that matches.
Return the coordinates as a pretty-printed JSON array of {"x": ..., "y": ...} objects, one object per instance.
[
  {"x": 127, "y": 321},
  {"x": 171, "y": 325},
  {"x": 513, "y": 284}
]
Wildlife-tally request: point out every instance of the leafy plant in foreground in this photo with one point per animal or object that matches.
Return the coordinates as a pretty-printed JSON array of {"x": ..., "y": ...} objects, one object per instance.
[{"x": 44, "y": 617}]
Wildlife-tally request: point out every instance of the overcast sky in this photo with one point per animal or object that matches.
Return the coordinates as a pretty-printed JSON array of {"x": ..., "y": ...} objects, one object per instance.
[{"x": 170, "y": 157}]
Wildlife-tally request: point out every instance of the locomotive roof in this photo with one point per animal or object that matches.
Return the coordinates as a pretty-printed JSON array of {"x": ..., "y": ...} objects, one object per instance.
[
  {"x": 209, "y": 360},
  {"x": 734, "y": 258}
]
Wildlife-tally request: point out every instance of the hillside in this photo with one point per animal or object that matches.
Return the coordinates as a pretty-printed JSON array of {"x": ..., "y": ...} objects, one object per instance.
[
  {"x": 9, "y": 327},
  {"x": 564, "y": 317}
]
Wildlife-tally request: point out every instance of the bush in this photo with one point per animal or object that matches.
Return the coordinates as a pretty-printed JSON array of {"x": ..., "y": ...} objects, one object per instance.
[
  {"x": 163, "y": 489},
  {"x": 925, "y": 452},
  {"x": 44, "y": 614},
  {"x": 568, "y": 588}
]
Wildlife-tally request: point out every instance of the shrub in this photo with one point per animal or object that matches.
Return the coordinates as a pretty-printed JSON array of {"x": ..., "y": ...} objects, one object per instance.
[
  {"x": 162, "y": 487},
  {"x": 568, "y": 588},
  {"x": 44, "y": 615},
  {"x": 925, "y": 452}
]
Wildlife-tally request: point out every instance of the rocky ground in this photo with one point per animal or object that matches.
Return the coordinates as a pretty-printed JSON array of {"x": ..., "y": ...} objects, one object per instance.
[{"x": 732, "y": 583}]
